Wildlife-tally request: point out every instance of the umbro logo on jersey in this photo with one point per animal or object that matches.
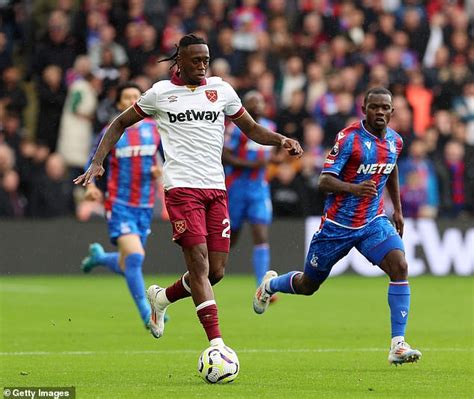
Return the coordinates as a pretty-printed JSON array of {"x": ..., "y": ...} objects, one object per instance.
[
  {"x": 404, "y": 314},
  {"x": 172, "y": 99},
  {"x": 192, "y": 115},
  {"x": 368, "y": 144}
]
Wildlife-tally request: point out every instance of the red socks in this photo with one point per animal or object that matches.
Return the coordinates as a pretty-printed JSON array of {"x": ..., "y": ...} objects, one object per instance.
[
  {"x": 207, "y": 313},
  {"x": 178, "y": 290}
]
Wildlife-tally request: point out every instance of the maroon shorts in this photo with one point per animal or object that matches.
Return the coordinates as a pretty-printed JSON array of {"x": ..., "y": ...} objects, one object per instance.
[{"x": 199, "y": 216}]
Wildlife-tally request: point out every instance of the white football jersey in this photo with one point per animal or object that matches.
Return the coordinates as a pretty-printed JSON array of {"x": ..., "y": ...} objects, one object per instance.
[{"x": 191, "y": 125}]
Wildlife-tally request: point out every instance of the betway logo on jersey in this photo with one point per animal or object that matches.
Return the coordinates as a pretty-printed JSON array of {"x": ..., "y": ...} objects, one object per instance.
[
  {"x": 373, "y": 168},
  {"x": 193, "y": 115},
  {"x": 135, "y": 151}
]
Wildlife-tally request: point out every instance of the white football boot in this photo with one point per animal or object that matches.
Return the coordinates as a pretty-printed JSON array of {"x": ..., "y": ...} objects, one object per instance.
[
  {"x": 262, "y": 297},
  {"x": 158, "y": 310},
  {"x": 402, "y": 353}
]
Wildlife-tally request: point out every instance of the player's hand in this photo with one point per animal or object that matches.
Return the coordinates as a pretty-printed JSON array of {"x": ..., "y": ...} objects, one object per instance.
[
  {"x": 292, "y": 147},
  {"x": 93, "y": 193},
  {"x": 399, "y": 222},
  {"x": 94, "y": 170},
  {"x": 156, "y": 171},
  {"x": 367, "y": 188}
]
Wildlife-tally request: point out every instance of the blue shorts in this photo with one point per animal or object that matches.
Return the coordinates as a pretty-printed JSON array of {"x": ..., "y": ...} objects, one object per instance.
[
  {"x": 333, "y": 242},
  {"x": 249, "y": 201},
  {"x": 123, "y": 219}
]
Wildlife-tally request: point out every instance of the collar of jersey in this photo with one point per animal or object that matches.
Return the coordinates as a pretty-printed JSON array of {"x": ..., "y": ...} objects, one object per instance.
[
  {"x": 176, "y": 79},
  {"x": 371, "y": 134}
]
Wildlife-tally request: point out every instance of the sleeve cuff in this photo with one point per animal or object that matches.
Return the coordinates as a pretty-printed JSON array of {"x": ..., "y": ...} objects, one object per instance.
[
  {"x": 238, "y": 114},
  {"x": 139, "y": 111}
]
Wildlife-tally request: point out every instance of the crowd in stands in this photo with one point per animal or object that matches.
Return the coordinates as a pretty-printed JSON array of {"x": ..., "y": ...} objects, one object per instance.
[{"x": 61, "y": 60}]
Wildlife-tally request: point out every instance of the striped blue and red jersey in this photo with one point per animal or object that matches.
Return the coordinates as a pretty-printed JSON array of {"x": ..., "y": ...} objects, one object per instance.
[
  {"x": 358, "y": 155},
  {"x": 244, "y": 148},
  {"x": 129, "y": 178}
]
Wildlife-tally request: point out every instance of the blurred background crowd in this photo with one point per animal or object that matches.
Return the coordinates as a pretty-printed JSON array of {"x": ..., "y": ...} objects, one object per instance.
[{"x": 61, "y": 60}]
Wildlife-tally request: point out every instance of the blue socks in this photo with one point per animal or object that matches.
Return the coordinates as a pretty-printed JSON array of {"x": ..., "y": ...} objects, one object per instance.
[
  {"x": 283, "y": 283},
  {"x": 136, "y": 285},
  {"x": 399, "y": 302},
  {"x": 261, "y": 261},
  {"x": 111, "y": 261}
]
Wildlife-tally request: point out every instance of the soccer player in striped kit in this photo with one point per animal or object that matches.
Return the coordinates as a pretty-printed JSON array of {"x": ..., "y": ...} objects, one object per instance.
[
  {"x": 359, "y": 166},
  {"x": 190, "y": 111},
  {"x": 130, "y": 197},
  {"x": 247, "y": 187}
]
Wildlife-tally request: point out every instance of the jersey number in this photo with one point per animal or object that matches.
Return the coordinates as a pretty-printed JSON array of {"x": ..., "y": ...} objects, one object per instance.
[{"x": 225, "y": 232}]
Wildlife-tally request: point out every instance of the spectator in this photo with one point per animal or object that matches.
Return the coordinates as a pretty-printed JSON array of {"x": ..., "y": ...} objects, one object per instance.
[
  {"x": 418, "y": 183},
  {"x": 337, "y": 121},
  {"x": 11, "y": 133},
  {"x": 75, "y": 131},
  {"x": 59, "y": 47},
  {"x": 51, "y": 97},
  {"x": 12, "y": 96},
  {"x": 452, "y": 172},
  {"x": 420, "y": 99},
  {"x": 140, "y": 55},
  {"x": 464, "y": 107},
  {"x": 51, "y": 194},
  {"x": 292, "y": 119},
  {"x": 316, "y": 85},
  {"x": 106, "y": 43},
  {"x": 312, "y": 164},
  {"x": 12, "y": 203},
  {"x": 293, "y": 79},
  {"x": 248, "y": 21},
  {"x": 288, "y": 192}
]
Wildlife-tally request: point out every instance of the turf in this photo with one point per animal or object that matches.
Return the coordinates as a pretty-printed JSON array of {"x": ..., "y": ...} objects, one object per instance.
[{"x": 83, "y": 331}]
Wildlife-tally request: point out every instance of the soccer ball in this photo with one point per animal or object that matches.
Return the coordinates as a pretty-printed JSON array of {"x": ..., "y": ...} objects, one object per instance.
[{"x": 218, "y": 365}]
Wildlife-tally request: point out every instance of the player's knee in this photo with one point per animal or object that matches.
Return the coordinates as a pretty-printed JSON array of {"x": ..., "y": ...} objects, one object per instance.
[
  {"x": 216, "y": 276},
  {"x": 308, "y": 287},
  {"x": 401, "y": 269}
]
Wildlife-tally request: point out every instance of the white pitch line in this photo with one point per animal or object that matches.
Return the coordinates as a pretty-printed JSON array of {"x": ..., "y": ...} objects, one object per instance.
[{"x": 184, "y": 351}]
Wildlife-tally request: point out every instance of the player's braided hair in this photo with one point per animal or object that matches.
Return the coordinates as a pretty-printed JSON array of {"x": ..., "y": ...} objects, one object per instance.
[{"x": 185, "y": 41}]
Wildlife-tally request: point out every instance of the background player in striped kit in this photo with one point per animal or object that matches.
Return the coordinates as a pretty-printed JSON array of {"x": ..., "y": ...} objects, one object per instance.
[
  {"x": 130, "y": 197},
  {"x": 190, "y": 111},
  {"x": 247, "y": 186},
  {"x": 359, "y": 166}
]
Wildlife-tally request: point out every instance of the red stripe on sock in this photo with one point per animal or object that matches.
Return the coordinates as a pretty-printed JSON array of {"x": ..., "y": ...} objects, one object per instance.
[
  {"x": 176, "y": 291},
  {"x": 210, "y": 321}
]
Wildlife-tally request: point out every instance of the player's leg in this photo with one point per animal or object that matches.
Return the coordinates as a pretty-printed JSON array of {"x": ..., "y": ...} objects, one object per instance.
[
  {"x": 237, "y": 211},
  {"x": 261, "y": 251},
  {"x": 187, "y": 216},
  {"x": 97, "y": 256},
  {"x": 259, "y": 214},
  {"x": 328, "y": 245},
  {"x": 384, "y": 247},
  {"x": 132, "y": 255}
]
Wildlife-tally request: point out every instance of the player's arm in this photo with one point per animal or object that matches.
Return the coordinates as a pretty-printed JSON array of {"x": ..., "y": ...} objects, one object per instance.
[
  {"x": 112, "y": 135},
  {"x": 329, "y": 183},
  {"x": 229, "y": 158},
  {"x": 262, "y": 135},
  {"x": 393, "y": 188}
]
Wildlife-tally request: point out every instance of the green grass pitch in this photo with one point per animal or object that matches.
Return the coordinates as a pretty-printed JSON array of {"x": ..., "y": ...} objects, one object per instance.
[{"x": 83, "y": 331}]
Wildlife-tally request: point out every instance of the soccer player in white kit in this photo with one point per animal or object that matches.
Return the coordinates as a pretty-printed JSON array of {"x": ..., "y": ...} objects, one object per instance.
[{"x": 190, "y": 111}]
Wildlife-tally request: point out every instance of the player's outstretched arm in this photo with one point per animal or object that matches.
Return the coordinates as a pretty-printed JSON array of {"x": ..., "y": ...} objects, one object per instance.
[
  {"x": 112, "y": 135},
  {"x": 329, "y": 183},
  {"x": 393, "y": 189},
  {"x": 262, "y": 135}
]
